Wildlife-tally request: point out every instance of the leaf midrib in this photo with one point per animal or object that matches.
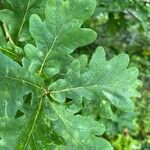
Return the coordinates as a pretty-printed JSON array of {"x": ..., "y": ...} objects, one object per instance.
[
  {"x": 74, "y": 88},
  {"x": 80, "y": 87},
  {"x": 91, "y": 86},
  {"x": 34, "y": 123},
  {"x": 8, "y": 51},
  {"x": 23, "y": 81},
  {"x": 24, "y": 17},
  {"x": 61, "y": 118},
  {"x": 52, "y": 46}
]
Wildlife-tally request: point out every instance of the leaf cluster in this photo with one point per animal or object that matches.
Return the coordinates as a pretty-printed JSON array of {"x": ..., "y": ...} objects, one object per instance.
[{"x": 48, "y": 98}]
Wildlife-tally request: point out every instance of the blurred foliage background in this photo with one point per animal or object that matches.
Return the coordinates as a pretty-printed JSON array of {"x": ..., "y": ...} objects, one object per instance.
[{"x": 124, "y": 26}]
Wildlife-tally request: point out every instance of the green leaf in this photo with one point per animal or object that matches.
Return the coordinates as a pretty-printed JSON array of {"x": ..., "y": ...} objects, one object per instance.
[
  {"x": 15, "y": 82},
  {"x": 16, "y": 17},
  {"x": 59, "y": 34},
  {"x": 50, "y": 100},
  {"x": 76, "y": 130},
  {"x": 21, "y": 124},
  {"x": 110, "y": 79}
]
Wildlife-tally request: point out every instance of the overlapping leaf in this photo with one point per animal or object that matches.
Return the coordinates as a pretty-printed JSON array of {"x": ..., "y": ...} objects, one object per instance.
[
  {"x": 42, "y": 122},
  {"x": 76, "y": 130},
  {"x": 15, "y": 23},
  {"x": 58, "y": 35},
  {"x": 33, "y": 116},
  {"x": 15, "y": 82},
  {"x": 110, "y": 79},
  {"x": 16, "y": 18}
]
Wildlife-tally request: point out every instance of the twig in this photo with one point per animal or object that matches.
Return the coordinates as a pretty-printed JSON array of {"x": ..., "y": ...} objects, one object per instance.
[
  {"x": 133, "y": 15},
  {"x": 24, "y": 18},
  {"x": 8, "y": 34}
]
